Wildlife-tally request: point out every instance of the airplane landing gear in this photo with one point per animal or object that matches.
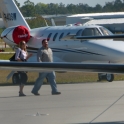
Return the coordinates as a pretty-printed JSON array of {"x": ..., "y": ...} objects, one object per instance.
[{"x": 108, "y": 77}]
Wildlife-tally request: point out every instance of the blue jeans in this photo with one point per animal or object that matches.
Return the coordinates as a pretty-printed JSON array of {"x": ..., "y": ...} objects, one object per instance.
[{"x": 51, "y": 79}]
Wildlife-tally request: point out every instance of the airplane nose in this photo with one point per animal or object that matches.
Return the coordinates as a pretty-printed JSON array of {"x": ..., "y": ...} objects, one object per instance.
[
  {"x": 14, "y": 35},
  {"x": 7, "y": 35},
  {"x": 118, "y": 52},
  {"x": 5, "y": 32}
]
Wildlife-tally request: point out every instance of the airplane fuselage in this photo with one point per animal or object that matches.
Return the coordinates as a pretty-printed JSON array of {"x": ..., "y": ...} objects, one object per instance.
[
  {"x": 101, "y": 51},
  {"x": 104, "y": 51}
]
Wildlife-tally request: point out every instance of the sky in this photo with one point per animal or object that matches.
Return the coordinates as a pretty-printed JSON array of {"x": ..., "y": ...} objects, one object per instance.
[{"x": 89, "y": 2}]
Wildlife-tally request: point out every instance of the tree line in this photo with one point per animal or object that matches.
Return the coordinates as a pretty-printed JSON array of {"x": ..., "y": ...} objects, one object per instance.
[{"x": 29, "y": 9}]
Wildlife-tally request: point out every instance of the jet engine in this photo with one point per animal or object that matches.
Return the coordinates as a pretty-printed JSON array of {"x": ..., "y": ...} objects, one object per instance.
[{"x": 16, "y": 34}]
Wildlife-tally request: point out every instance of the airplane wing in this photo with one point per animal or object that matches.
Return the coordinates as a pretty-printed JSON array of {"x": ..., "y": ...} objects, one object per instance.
[
  {"x": 82, "y": 67},
  {"x": 74, "y": 37}
]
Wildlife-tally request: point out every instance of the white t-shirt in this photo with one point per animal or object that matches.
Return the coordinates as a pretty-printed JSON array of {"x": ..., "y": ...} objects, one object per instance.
[{"x": 20, "y": 54}]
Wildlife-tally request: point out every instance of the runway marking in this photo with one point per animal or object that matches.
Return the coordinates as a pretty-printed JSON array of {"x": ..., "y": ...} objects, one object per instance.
[
  {"x": 37, "y": 114},
  {"x": 106, "y": 109}
]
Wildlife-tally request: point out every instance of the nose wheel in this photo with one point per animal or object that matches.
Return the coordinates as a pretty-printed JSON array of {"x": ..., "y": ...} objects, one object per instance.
[{"x": 108, "y": 77}]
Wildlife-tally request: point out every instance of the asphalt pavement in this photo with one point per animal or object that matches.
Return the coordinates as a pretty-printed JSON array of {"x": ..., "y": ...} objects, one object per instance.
[{"x": 83, "y": 103}]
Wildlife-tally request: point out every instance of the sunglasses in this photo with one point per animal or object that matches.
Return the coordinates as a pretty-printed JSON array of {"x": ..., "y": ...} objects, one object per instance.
[{"x": 23, "y": 43}]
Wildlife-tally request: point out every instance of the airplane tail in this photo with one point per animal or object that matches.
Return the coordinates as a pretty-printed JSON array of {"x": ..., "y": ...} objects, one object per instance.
[
  {"x": 11, "y": 14},
  {"x": 53, "y": 22}
]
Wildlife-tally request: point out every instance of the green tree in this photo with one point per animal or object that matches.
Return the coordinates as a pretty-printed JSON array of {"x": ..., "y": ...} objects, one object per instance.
[
  {"x": 28, "y": 2},
  {"x": 36, "y": 22},
  {"x": 118, "y": 5},
  {"x": 41, "y": 8},
  {"x": 98, "y": 8},
  {"x": 28, "y": 9},
  {"x": 17, "y": 3},
  {"x": 109, "y": 7}
]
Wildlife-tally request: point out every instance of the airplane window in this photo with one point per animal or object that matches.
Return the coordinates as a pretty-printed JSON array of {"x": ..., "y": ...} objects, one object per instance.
[
  {"x": 54, "y": 38},
  {"x": 105, "y": 31},
  {"x": 91, "y": 32},
  {"x": 78, "y": 33},
  {"x": 49, "y": 36},
  {"x": 68, "y": 33},
  {"x": 61, "y": 36},
  {"x": 88, "y": 32},
  {"x": 96, "y": 32}
]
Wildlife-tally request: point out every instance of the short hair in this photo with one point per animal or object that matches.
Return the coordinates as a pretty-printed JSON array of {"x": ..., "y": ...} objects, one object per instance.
[{"x": 44, "y": 40}]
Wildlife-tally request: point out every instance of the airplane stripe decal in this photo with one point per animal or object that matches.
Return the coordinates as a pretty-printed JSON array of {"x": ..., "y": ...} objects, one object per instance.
[
  {"x": 76, "y": 51},
  {"x": 34, "y": 50}
]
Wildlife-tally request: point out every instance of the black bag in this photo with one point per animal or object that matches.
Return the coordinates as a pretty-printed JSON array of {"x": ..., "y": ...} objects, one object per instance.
[
  {"x": 13, "y": 57},
  {"x": 20, "y": 77}
]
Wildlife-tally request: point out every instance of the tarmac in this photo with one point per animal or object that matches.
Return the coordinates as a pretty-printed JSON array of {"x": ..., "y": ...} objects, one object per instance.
[{"x": 83, "y": 103}]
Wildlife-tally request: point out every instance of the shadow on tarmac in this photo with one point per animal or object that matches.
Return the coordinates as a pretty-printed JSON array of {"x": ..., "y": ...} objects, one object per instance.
[
  {"x": 23, "y": 96},
  {"x": 9, "y": 97}
]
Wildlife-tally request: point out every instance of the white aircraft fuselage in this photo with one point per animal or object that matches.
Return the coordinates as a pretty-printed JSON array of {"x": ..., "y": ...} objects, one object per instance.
[{"x": 101, "y": 51}]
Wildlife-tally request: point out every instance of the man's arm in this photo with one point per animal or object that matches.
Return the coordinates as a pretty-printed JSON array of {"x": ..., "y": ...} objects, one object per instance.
[{"x": 39, "y": 55}]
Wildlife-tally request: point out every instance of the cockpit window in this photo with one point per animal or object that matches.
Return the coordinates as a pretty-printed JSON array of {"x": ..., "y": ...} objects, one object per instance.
[
  {"x": 105, "y": 31},
  {"x": 91, "y": 32}
]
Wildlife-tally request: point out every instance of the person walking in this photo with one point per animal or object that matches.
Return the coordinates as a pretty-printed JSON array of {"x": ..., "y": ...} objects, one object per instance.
[
  {"x": 45, "y": 55},
  {"x": 21, "y": 55}
]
